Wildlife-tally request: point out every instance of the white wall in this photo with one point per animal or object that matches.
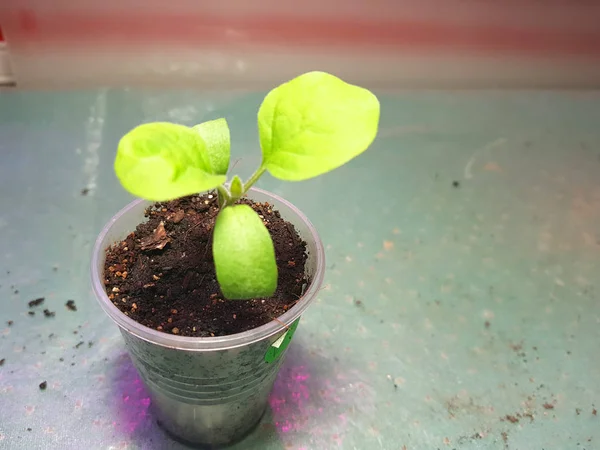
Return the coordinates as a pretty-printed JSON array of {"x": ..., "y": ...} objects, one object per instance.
[
  {"x": 247, "y": 44},
  {"x": 6, "y": 76}
]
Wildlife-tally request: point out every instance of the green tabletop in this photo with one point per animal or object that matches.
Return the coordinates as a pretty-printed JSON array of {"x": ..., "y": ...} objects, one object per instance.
[{"x": 461, "y": 306}]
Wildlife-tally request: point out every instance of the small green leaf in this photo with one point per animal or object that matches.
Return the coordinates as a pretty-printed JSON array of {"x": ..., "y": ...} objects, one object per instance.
[
  {"x": 161, "y": 161},
  {"x": 237, "y": 187},
  {"x": 244, "y": 254},
  {"x": 315, "y": 123},
  {"x": 215, "y": 134}
]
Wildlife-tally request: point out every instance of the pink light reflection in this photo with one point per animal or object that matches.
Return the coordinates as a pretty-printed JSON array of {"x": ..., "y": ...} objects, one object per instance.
[
  {"x": 289, "y": 399},
  {"x": 297, "y": 403},
  {"x": 132, "y": 409},
  {"x": 318, "y": 405}
]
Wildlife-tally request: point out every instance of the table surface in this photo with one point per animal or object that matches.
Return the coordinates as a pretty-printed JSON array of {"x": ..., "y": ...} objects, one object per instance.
[{"x": 461, "y": 304}]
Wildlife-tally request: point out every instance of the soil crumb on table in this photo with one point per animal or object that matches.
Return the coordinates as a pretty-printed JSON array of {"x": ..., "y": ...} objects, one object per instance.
[
  {"x": 163, "y": 276},
  {"x": 71, "y": 305},
  {"x": 36, "y": 302}
]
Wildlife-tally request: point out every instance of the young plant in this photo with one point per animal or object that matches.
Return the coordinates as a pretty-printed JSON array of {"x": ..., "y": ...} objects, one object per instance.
[{"x": 307, "y": 127}]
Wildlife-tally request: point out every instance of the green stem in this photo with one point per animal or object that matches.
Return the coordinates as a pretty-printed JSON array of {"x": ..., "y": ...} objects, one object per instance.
[
  {"x": 224, "y": 196},
  {"x": 254, "y": 178}
]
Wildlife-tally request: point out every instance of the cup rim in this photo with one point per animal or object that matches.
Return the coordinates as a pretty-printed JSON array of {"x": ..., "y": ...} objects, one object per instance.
[{"x": 206, "y": 343}]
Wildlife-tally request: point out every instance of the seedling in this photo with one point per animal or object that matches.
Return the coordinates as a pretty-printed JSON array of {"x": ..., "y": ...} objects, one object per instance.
[{"x": 307, "y": 127}]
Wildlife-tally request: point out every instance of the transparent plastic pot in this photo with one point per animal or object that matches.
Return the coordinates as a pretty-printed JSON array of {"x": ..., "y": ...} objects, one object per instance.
[{"x": 209, "y": 391}]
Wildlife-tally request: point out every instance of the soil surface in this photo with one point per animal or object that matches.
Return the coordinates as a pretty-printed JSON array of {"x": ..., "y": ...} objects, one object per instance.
[{"x": 163, "y": 276}]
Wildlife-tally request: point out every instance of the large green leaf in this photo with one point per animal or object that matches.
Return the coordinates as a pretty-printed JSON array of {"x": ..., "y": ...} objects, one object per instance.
[
  {"x": 215, "y": 134},
  {"x": 161, "y": 161},
  {"x": 244, "y": 254},
  {"x": 315, "y": 123}
]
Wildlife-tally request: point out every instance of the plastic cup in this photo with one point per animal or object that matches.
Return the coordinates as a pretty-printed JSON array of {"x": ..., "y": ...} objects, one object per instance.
[{"x": 210, "y": 391}]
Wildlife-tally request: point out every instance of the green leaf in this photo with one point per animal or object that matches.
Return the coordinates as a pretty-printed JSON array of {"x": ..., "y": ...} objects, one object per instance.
[
  {"x": 244, "y": 254},
  {"x": 315, "y": 123},
  {"x": 161, "y": 161},
  {"x": 237, "y": 187},
  {"x": 215, "y": 134}
]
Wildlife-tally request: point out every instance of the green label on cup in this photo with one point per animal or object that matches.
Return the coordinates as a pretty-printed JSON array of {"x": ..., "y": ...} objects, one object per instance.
[{"x": 279, "y": 346}]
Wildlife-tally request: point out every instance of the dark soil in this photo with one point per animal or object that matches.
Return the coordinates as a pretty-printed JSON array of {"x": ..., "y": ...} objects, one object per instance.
[
  {"x": 36, "y": 302},
  {"x": 163, "y": 276},
  {"x": 71, "y": 305}
]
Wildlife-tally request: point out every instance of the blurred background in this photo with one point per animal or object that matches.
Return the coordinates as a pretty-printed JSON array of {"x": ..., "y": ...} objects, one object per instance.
[{"x": 236, "y": 43}]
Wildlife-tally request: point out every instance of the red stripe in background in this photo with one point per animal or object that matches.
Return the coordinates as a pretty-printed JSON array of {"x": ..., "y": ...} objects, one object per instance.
[{"x": 163, "y": 28}]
